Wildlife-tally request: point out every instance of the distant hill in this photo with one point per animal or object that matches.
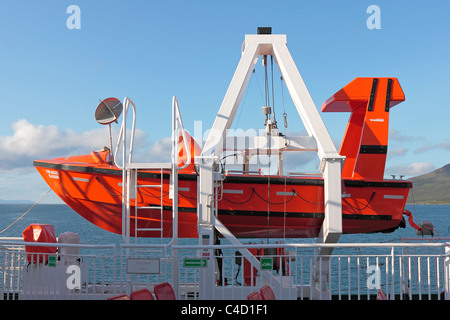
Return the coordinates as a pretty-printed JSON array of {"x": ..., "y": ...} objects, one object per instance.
[{"x": 432, "y": 188}]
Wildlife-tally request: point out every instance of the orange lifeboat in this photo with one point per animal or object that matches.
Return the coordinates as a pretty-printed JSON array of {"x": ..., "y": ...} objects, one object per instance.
[{"x": 292, "y": 207}]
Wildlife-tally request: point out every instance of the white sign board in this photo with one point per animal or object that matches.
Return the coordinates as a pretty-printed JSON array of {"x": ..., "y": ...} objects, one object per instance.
[{"x": 143, "y": 266}]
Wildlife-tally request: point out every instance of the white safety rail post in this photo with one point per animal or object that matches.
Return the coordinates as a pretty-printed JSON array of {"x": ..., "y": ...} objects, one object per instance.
[
  {"x": 205, "y": 198},
  {"x": 173, "y": 194},
  {"x": 330, "y": 160},
  {"x": 447, "y": 272}
]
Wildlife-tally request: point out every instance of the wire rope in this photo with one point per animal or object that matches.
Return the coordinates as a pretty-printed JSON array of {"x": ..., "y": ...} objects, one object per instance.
[{"x": 23, "y": 215}]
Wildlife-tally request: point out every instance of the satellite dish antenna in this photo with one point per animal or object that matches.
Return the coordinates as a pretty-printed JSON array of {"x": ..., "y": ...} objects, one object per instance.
[{"x": 107, "y": 112}]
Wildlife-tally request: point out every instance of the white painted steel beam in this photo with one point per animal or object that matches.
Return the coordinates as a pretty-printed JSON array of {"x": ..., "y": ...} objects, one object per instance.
[{"x": 232, "y": 99}]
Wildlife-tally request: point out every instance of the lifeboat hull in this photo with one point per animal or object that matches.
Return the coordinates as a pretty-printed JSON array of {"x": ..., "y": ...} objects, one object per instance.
[{"x": 249, "y": 206}]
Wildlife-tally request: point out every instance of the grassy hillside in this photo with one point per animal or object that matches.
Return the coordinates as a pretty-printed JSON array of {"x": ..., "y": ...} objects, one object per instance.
[{"x": 432, "y": 188}]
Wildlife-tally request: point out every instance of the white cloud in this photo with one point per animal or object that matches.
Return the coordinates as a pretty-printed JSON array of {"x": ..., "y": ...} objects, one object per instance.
[
  {"x": 396, "y": 135},
  {"x": 400, "y": 151},
  {"x": 411, "y": 169},
  {"x": 426, "y": 147},
  {"x": 445, "y": 145},
  {"x": 160, "y": 151},
  {"x": 31, "y": 142}
]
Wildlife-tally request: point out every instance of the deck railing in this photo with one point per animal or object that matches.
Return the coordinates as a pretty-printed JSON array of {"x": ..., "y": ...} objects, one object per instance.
[{"x": 357, "y": 271}]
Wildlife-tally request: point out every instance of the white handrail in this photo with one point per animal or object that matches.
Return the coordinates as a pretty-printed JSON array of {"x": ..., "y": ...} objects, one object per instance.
[
  {"x": 122, "y": 135},
  {"x": 236, "y": 246},
  {"x": 318, "y": 245}
]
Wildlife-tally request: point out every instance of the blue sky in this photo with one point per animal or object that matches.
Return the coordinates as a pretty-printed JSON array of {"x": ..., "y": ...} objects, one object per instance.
[{"x": 51, "y": 77}]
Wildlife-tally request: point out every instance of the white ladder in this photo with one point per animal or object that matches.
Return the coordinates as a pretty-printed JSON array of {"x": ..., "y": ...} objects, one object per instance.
[{"x": 134, "y": 186}]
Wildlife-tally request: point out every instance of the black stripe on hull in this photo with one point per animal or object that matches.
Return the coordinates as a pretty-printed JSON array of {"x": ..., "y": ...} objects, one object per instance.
[{"x": 308, "y": 215}]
